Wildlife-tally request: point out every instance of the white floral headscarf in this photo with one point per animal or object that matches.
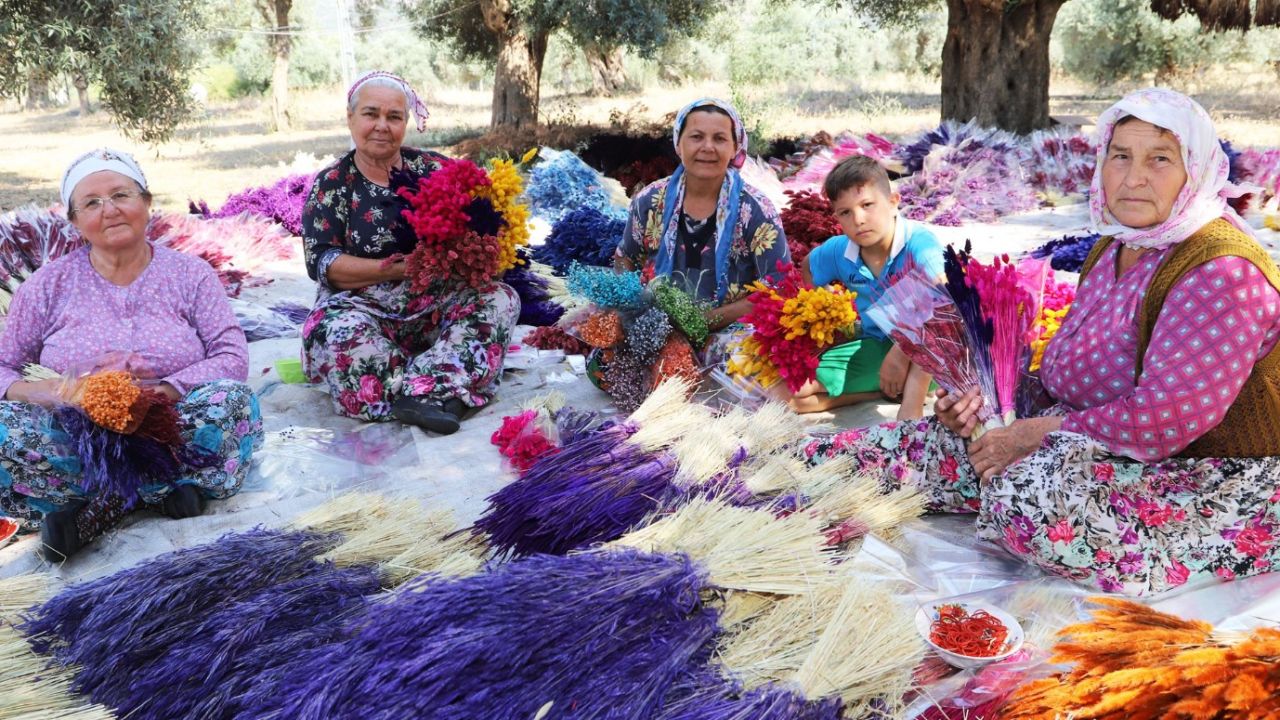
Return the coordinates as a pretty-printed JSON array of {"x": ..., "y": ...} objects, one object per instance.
[{"x": 1202, "y": 199}]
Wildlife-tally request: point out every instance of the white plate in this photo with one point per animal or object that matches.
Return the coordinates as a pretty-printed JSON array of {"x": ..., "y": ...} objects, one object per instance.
[{"x": 929, "y": 613}]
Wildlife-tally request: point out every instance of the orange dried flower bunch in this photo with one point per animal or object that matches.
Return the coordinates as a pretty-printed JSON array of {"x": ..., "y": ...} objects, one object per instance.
[
  {"x": 602, "y": 330},
  {"x": 1135, "y": 663},
  {"x": 676, "y": 358},
  {"x": 109, "y": 399}
]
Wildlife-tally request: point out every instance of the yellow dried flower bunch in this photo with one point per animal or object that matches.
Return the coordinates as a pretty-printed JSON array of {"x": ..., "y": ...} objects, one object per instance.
[
  {"x": 505, "y": 186},
  {"x": 747, "y": 360},
  {"x": 1050, "y": 322},
  {"x": 820, "y": 313}
]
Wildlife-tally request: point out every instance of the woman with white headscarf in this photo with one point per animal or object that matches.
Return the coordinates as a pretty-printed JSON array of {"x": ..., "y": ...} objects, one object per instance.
[
  {"x": 120, "y": 296},
  {"x": 383, "y": 352},
  {"x": 704, "y": 226},
  {"x": 1159, "y": 461}
]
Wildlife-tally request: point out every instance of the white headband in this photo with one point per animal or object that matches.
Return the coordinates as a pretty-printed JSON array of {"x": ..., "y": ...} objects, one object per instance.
[{"x": 97, "y": 161}]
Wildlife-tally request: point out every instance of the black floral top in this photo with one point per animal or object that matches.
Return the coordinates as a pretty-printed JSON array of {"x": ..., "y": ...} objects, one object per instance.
[{"x": 347, "y": 213}]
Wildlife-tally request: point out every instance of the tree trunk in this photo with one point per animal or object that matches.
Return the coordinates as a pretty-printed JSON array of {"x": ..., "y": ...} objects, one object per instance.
[
  {"x": 995, "y": 62},
  {"x": 276, "y": 13},
  {"x": 82, "y": 91},
  {"x": 608, "y": 75},
  {"x": 38, "y": 91},
  {"x": 518, "y": 74}
]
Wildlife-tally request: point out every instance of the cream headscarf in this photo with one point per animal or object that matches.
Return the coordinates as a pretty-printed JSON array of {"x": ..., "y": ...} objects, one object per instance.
[{"x": 1203, "y": 198}]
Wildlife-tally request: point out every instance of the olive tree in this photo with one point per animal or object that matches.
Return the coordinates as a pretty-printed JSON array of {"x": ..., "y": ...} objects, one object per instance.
[{"x": 139, "y": 54}]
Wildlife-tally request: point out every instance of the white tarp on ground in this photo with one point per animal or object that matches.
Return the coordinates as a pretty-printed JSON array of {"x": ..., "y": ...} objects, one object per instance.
[{"x": 312, "y": 455}]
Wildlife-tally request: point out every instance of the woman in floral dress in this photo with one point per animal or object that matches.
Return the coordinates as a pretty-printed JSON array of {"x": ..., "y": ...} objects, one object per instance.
[
  {"x": 119, "y": 302},
  {"x": 704, "y": 226},
  {"x": 1158, "y": 463},
  {"x": 383, "y": 351}
]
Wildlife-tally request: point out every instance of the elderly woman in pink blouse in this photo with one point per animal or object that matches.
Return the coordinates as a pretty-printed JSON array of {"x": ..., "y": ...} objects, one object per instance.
[
  {"x": 1159, "y": 461},
  {"x": 119, "y": 295}
]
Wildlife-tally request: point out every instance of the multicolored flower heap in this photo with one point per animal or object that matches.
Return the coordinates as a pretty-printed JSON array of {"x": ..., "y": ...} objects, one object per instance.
[{"x": 469, "y": 224}]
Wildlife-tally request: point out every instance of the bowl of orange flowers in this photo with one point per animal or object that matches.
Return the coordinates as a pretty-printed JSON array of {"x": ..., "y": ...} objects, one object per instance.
[{"x": 969, "y": 634}]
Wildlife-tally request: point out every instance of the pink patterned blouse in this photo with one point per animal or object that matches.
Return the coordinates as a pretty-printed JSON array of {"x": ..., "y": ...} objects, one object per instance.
[
  {"x": 175, "y": 315},
  {"x": 1216, "y": 322}
]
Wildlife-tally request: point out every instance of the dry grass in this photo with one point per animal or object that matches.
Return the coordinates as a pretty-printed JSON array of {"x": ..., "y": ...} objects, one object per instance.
[{"x": 229, "y": 147}]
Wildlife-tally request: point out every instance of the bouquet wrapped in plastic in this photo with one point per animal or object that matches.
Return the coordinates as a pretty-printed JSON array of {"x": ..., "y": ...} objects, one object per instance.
[
  {"x": 640, "y": 335},
  {"x": 975, "y": 328},
  {"x": 792, "y": 324},
  {"x": 468, "y": 222}
]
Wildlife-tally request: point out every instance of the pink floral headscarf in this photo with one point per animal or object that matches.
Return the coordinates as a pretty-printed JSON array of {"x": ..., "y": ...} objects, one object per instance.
[
  {"x": 416, "y": 106},
  {"x": 1203, "y": 198}
]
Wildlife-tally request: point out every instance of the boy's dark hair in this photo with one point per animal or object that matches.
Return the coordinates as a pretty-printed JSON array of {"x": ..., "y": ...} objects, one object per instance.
[{"x": 855, "y": 171}]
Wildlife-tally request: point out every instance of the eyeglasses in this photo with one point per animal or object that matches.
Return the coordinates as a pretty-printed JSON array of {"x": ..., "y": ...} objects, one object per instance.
[{"x": 118, "y": 200}]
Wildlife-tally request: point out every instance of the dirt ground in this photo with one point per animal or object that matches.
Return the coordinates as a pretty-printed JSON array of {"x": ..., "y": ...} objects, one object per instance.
[{"x": 228, "y": 147}]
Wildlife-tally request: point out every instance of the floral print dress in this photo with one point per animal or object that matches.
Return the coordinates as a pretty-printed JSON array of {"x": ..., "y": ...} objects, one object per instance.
[
  {"x": 40, "y": 471},
  {"x": 377, "y": 343},
  {"x": 1082, "y": 506}
]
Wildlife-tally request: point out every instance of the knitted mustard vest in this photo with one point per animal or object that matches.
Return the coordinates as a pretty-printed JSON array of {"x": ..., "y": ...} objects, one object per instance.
[{"x": 1251, "y": 426}]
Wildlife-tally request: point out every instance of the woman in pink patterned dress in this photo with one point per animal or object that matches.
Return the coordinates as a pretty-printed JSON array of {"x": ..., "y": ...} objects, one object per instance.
[{"x": 1159, "y": 461}]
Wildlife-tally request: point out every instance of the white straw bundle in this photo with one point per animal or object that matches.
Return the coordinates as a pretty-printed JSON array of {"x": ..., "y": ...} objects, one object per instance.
[
  {"x": 774, "y": 427},
  {"x": 30, "y": 687},
  {"x": 849, "y": 637},
  {"x": 775, "y": 645},
  {"x": 667, "y": 415},
  {"x": 867, "y": 651},
  {"x": 20, "y": 592},
  {"x": 775, "y": 473},
  {"x": 828, "y": 477},
  {"x": 861, "y": 504},
  {"x": 747, "y": 550},
  {"x": 705, "y": 451},
  {"x": 33, "y": 372},
  {"x": 396, "y": 534}
]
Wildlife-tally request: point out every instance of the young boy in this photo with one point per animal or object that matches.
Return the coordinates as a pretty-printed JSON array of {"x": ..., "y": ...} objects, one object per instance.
[{"x": 876, "y": 245}]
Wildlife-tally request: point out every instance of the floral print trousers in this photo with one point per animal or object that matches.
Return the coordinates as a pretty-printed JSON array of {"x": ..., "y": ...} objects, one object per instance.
[
  {"x": 1077, "y": 511},
  {"x": 373, "y": 345},
  {"x": 39, "y": 470}
]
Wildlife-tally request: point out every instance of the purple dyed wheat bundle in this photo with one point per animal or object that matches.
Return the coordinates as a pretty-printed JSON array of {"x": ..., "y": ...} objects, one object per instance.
[
  {"x": 241, "y": 648},
  {"x": 597, "y": 635},
  {"x": 595, "y": 489},
  {"x": 115, "y": 625}
]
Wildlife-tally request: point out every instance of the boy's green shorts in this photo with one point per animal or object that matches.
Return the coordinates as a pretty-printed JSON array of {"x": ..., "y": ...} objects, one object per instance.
[{"x": 853, "y": 367}]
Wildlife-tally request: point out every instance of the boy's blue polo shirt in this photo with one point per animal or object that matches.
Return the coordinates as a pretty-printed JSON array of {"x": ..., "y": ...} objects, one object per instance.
[{"x": 840, "y": 259}]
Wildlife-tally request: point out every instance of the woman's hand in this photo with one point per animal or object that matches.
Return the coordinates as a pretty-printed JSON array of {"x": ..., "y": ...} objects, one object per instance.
[
  {"x": 999, "y": 448},
  {"x": 959, "y": 413},
  {"x": 352, "y": 273},
  {"x": 721, "y": 317},
  {"x": 46, "y": 393},
  {"x": 169, "y": 391}
]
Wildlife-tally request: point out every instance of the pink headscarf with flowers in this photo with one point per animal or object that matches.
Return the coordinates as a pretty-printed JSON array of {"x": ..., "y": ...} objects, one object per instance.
[
  {"x": 1202, "y": 199},
  {"x": 419, "y": 108}
]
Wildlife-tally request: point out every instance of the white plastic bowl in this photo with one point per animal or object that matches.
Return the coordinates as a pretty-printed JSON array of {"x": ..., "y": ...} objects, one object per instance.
[{"x": 1012, "y": 644}]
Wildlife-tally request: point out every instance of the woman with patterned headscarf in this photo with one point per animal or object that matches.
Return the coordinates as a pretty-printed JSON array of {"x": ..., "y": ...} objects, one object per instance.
[
  {"x": 703, "y": 226},
  {"x": 386, "y": 353},
  {"x": 119, "y": 300},
  {"x": 1159, "y": 462}
]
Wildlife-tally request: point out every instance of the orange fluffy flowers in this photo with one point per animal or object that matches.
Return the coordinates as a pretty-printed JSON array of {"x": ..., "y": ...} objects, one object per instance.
[
  {"x": 109, "y": 399},
  {"x": 1135, "y": 663}
]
